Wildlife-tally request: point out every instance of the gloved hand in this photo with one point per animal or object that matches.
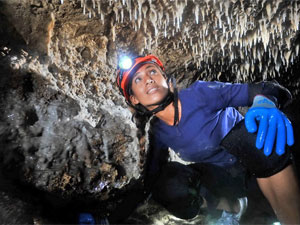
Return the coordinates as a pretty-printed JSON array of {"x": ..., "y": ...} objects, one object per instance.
[
  {"x": 271, "y": 120},
  {"x": 85, "y": 218}
]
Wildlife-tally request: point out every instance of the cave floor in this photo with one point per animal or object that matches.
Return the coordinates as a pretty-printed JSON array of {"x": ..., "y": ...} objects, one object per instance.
[{"x": 259, "y": 210}]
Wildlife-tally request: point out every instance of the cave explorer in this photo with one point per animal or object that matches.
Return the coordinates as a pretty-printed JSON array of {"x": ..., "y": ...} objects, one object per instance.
[{"x": 201, "y": 124}]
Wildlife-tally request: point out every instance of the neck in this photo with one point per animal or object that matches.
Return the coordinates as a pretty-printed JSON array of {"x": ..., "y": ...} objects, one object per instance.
[{"x": 167, "y": 115}]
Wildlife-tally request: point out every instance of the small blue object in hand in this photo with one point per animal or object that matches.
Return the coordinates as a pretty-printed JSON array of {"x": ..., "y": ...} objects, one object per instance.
[
  {"x": 271, "y": 120},
  {"x": 86, "y": 218}
]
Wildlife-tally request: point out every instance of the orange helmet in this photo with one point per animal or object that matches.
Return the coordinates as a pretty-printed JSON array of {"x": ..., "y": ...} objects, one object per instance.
[{"x": 127, "y": 67}]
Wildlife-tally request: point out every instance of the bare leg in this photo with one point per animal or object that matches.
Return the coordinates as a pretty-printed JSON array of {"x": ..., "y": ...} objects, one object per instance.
[{"x": 282, "y": 191}]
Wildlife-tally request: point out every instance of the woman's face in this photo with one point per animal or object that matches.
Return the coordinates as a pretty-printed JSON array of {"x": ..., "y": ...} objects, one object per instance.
[{"x": 149, "y": 86}]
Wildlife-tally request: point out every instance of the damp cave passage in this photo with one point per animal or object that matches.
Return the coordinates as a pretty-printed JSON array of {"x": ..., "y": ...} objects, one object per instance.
[{"x": 67, "y": 141}]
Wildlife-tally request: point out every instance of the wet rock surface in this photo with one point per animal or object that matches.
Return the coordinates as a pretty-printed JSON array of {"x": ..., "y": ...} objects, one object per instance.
[{"x": 67, "y": 142}]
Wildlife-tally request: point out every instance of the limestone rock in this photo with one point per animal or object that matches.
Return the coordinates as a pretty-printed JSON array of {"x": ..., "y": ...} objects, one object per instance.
[{"x": 65, "y": 129}]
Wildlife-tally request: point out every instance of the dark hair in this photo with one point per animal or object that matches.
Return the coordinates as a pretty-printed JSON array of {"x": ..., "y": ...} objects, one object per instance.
[
  {"x": 141, "y": 121},
  {"x": 141, "y": 117}
]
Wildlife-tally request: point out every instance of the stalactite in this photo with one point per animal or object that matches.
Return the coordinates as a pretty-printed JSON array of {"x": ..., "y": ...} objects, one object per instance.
[
  {"x": 135, "y": 13},
  {"x": 268, "y": 10},
  {"x": 84, "y": 7},
  {"x": 99, "y": 6},
  {"x": 145, "y": 43},
  {"x": 160, "y": 18},
  {"x": 233, "y": 26},
  {"x": 196, "y": 12},
  {"x": 129, "y": 9},
  {"x": 140, "y": 3},
  {"x": 102, "y": 18},
  {"x": 113, "y": 32},
  {"x": 116, "y": 11},
  {"x": 287, "y": 55},
  {"x": 153, "y": 19}
]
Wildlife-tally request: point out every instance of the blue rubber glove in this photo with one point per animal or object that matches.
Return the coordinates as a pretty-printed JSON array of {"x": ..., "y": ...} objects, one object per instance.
[
  {"x": 271, "y": 120},
  {"x": 85, "y": 218}
]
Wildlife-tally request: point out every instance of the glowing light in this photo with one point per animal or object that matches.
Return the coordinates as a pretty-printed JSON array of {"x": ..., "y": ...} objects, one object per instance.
[{"x": 125, "y": 62}]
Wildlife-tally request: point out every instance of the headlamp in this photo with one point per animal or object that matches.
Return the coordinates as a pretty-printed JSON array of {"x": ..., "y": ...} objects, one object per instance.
[
  {"x": 128, "y": 66},
  {"x": 125, "y": 62}
]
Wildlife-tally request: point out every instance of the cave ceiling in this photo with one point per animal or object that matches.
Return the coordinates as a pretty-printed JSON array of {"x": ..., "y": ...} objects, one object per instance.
[{"x": 243, "y": 38}]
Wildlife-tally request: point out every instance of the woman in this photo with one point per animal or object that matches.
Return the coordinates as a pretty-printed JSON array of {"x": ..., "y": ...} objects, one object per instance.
[{"x": 200, "y": 125}]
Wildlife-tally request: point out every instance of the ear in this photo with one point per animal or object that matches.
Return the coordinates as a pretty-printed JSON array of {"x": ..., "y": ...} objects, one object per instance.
[{"x": 134, "y": 100}]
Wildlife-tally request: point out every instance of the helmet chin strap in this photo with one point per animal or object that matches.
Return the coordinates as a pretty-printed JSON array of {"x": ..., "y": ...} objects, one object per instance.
[{"x": 170, "y": 97}]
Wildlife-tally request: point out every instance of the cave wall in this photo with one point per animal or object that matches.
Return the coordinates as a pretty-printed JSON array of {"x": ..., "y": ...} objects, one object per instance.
[{"x": 64, "y": 127}]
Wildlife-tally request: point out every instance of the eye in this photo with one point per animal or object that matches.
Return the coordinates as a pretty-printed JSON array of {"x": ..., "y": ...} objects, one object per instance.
[
  {"x": 152, "y": 72},
  {"x": 137, "y": 79}
]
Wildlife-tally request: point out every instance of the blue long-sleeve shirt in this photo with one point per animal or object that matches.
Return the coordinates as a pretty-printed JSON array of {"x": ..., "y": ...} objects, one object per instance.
[{"x": 207, "y": 115}]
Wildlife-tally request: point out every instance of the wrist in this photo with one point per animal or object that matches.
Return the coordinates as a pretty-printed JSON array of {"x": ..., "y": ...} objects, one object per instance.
[{"x": 262, "y": 102}]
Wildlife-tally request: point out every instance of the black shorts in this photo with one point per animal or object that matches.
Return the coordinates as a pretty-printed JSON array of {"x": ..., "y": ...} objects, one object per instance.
[{"x": 240, "y": 143}]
